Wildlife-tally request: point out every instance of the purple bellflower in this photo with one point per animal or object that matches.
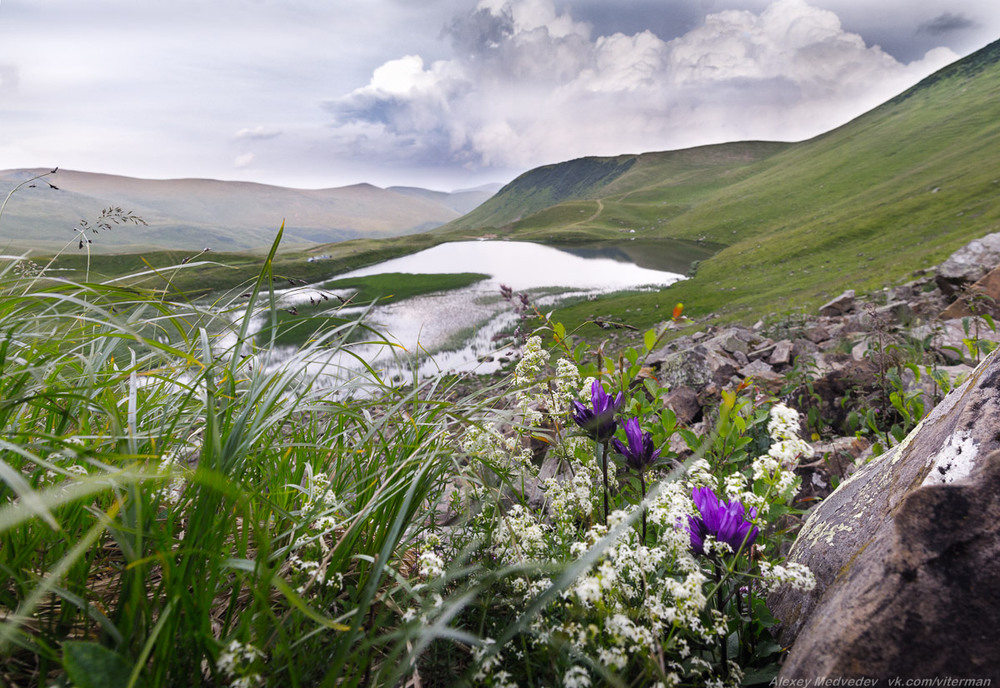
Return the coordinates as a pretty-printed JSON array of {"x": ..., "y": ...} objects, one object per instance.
[
  {"x": 725, "y": 520},
  {"x": 599, "y": 420},
  {"x": 639, "y": 454}
]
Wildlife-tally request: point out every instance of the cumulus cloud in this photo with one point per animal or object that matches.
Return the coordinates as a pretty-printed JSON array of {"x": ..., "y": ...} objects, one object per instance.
[{"x": 528, "y": 84}]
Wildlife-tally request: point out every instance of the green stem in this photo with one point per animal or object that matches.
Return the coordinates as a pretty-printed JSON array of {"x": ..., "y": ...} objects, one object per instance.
[
  {"x": 642, "y": 487},
  {"x": 603, "y": 448}
]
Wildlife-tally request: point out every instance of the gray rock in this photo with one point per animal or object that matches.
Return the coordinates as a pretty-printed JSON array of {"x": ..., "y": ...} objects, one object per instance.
[
  {"x": 817, "y": 334},
  {"x": 761, "y": 371},
  {"x": 695, "y": 367},
  {"x": 839, "y": 305},
  {"x": 782, "y": 354},
  {"x": 906, "y": 554},
  {"x": 971, "y": 262},
  {"x": 732, "y": 341}
]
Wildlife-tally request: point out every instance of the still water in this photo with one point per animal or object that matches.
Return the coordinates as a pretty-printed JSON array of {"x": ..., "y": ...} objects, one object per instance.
[{"x": 456, "y": 330}]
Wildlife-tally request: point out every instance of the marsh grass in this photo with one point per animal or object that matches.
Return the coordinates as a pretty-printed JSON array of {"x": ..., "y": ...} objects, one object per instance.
[{"x": 164, "y": 493}]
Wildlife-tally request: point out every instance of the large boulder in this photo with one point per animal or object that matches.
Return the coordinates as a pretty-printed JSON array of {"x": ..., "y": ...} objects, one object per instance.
[
  {"x": 969, "y": 263},
  {"x": 906, "y": 555}
]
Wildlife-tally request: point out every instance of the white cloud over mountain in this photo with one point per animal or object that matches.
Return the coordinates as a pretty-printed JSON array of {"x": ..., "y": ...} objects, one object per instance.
[{"x": 528, "y": 84}]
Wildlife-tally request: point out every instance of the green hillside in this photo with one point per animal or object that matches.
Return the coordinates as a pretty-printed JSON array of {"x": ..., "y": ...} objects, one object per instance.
[{"x": 862, "y": 206}]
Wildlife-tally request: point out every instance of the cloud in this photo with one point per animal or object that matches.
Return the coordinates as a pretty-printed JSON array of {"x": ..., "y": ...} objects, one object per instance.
[
  {"x": 528, "y": 85},
  {"x": 244, "y": 161},
  {"x": 946, "y": 23},
  {"x": 258, "y": 133}
]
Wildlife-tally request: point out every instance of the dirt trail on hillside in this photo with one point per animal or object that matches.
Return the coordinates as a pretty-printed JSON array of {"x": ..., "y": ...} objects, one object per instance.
[{"x": 597, "y": 214}]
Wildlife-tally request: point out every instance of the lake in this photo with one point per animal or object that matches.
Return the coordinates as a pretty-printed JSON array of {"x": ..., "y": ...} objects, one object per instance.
[{"x": 456, "y": 330}]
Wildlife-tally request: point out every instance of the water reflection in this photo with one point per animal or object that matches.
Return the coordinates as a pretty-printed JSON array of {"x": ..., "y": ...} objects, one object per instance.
[
  {"x": 523, "y": 265},
  {"x": 456, "y": 330}
]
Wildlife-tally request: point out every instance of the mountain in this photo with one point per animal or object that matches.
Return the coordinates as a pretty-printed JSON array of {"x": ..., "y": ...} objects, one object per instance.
[
  {"x": 191, "y": 214},
  {"x": 461, "y": 201},
  {"x": 896, "y": 189}
]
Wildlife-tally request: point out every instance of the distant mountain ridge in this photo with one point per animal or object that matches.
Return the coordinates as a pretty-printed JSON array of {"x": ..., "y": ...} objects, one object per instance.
[{"x": 191, "y": 214}]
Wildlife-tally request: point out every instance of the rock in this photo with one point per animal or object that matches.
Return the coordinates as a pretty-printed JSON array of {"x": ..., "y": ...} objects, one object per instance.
[
  {"x": 969, "y": 263},
  {"x": 840, "y": 305},
  {"x": 803, "y": 347},
  {"x": 695, "y": 367},
  {"x": 906, "y": 555},
  {"x": 734, "y": 340},
  {"x": 683, "y": 401},
  {"x": 983, "y": 295},
  {"x": 782, "y": 354},
  {"x": 761, "y": 371},
  {"x": 817, "y": 334}
]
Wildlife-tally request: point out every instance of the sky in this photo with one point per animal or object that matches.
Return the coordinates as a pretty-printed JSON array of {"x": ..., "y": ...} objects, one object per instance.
[{"x": 444, "y": 94}]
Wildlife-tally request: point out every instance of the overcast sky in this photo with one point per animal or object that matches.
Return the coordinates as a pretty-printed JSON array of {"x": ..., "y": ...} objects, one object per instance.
[{"x": 444, "y": 94}]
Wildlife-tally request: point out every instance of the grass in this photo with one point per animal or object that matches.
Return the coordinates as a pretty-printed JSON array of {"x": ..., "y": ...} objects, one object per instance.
[{"x": 163, "y": 494}]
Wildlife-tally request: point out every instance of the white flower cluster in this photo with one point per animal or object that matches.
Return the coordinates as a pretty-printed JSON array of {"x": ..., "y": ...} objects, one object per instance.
[
  {"x": 320, "y": 501},
  {"x": 488, "y": 445},
  {"x": 315, "y": 572},
  {"x": 699, "y": 473},
  {"x": 431, "y": 564},
  {"x": 238, "y": 662},
  {"x": 520, "y": 537},
  {"x": 576, "y": 677},
  {"x": 533, "y": 360},
  {"x": 777, "y": 467},
  {"x": 796, "y": 575},
  {"x": 571, "y": 499},
  {"x": 489, "y": 672},
  {"x": 566, "y": 387},
  {"x": 631, "y": 588},
  {"x": 527, "y": 373}
]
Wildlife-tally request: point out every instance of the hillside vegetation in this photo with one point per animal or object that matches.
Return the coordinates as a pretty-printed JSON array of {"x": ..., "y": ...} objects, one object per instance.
[{"x": 863, "y": 206}]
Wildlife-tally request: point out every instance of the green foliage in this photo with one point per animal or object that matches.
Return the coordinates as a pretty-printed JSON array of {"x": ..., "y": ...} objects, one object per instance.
[{"x": 163, "y": 494}]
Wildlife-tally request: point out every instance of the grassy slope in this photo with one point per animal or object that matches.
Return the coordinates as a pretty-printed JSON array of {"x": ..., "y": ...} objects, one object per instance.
[{"x": 863, "y": 206}]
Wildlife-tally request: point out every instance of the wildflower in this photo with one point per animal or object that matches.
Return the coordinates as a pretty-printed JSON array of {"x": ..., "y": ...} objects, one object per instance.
[
  {"x": 576, "y": 677},
  {"x": 639, "y": 454},
  {"x": 599, "y": 420},
  {"x": 726, "y": 521}
]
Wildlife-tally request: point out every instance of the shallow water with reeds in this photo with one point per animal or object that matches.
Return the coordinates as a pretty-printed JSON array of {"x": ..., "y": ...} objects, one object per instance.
[{"x": 460, "y": 329}]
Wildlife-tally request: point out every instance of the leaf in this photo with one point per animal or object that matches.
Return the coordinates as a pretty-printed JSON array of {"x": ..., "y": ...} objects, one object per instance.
[
  {"x": 560, "y": 331},
  {"x": 89, "y": 665},
  {"x": 649, "y": 339}
]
